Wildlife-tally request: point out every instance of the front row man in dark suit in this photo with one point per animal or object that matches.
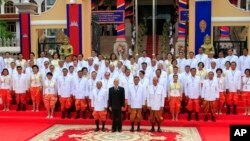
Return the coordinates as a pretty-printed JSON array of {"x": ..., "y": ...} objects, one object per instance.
[{"x": 116, "y": 103}]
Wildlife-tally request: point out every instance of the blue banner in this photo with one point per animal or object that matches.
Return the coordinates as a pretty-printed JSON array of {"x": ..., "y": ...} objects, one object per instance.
[
  {"x": 116, "y": 16},
  {"x": 203, "y": 16}
]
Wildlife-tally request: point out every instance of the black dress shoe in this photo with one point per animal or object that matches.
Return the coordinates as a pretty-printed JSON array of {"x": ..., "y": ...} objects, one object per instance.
[
  {"x": 138, "y": 130},
  {"x": 132, "y": 129},
  {"x": 159, "y": 130},
  {"x": 113, "y": 130},
  {"x": 206, "y": 118},
  {"x": 119, "y": 130},
  {"x": 213, "y": 119},
  {"x": 103, "y": 129},
  {"x": 152, "y": 130},
  {"x": 97, "y": 129}
]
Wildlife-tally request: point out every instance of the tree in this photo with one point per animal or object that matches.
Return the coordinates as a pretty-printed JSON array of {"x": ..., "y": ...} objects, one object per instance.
[
  {"x": 2, "y": 1},
  {"x": 4, "y": 32}
]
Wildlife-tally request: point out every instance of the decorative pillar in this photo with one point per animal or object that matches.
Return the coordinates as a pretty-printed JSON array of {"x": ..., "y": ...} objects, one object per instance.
[
  {"x": 121, "y": 46},
  {"x": 25, "y": 9},
  {"x": 121, "y": 27},
  {"x": 182, "y": 27},
  {"x": 74, "y": 26}
]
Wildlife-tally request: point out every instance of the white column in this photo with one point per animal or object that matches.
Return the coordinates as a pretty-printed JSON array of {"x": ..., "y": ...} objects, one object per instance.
[
  {"x": 17, "y": 30},
  {"x": 39, "y": 8},
  {"x": 2, "y": 9}
]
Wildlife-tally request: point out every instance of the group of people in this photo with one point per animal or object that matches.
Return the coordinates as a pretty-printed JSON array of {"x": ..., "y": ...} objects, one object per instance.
[{"x": 138, "y": 86}]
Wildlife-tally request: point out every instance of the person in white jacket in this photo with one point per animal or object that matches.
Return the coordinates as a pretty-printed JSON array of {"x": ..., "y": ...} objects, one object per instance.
[
  {"x": 65, "y": 92},
  {"x": 99, "y": 98},
  {"x": 80, "y": 89},
  {"x": 136, "y": 100},
  {"x": 155, "y": 102},
  {"x": 246, "y": 91},
  {"x": 210, "y": 95},
  {"x": 193, "y": 93},
  {"x": 233, "y": 87},
  {"x": 20, "y": 88}
]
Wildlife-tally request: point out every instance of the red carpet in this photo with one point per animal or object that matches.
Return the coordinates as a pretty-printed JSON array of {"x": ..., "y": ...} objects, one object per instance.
[
  {"x": 150, "y": 45},
  {"x": 20, "y": 126},
  {"x": 29, "y": 124}
]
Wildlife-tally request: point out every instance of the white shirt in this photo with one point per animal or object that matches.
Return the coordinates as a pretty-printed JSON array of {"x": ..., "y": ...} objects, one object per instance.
[
  {"x": 193, "y": 63},
  {"x": 65, "y": 86},
  {"x": 40, "y": 62},
  {"x": 246, "y": 84},
  {"x": 155, "y": 97},
  {"x": 91, "y": 86},
  {"x": 142, "y": 60},
  {"x": 144, "y": 82},
  {"x": 136, "y": 96},
  {"x": 220, "y": 63},
  {"x": 5, "y": 82},
  {"x": 125, "y": 82},
  {"x": 201, "y": 58},
  {"x": 82, "y": 64},
  {"x": 80, "y": 87},
  {"x": 67, "y": 64},
  {"x": 233, "y": 80},
  {"x": 49, "y": 87},
  {"x": 181, "y": 64},
  {"x": 193, "y": 87},
  {"x": 20, "y": 85},
  {"x": 233, "y": 58},
  {"x": 183, "y": 78},
  {"x": 12, "y": 72},
  {"x": 210, "y": 90},
  {"x": 244, "y": 63},
  {"x": 1, "y": 64},
  {"x": 21, "y": 63},
  {"x": 7, "y": 62},
  {"x": 208, "y": 63},
  {"x": 99, "y": 99},
  {"x": 107, "y": 83}
]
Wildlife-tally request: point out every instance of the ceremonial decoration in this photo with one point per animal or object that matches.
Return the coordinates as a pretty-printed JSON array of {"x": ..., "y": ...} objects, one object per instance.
[
  {"x": 74, "y": 27},
  {"x": 25, "y": 42},
  {"x": 202, "y": 21},
  {"x": 86, "y": 133}
]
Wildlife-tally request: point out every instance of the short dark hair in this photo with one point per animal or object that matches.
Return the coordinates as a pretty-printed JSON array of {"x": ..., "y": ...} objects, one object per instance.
[
  {"x": 219, "y": 69},
  {"x": 84, "y": 68},
  {"x": 19, "y": 67},
  {"x": 49, "y": 74},
  {"x": 35, "y": 66},
  {"x": 201, "y": 63},
  {"x": 143, "y": 72}
]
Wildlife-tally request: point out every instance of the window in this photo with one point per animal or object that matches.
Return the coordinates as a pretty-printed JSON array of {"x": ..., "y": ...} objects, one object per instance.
[
  {"x": 12, "y": 27},
  {"x": 33, "y": 1},
  {"x": 47, "y": 4},
  {"x": 9, "y": 7},
  {"x": 43, "y": 6}
]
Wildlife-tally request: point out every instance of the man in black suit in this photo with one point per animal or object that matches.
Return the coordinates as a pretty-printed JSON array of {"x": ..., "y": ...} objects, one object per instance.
[{"x": 116, "y": 102}]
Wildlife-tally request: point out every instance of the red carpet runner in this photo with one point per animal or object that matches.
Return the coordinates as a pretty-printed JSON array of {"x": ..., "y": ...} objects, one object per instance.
[{"x": 150, "y": 45}]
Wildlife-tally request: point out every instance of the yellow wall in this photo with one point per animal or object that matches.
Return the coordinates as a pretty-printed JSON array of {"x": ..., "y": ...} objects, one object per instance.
[
  {"x": 220, "y": 8},
  {"x": 58, "y": 12}
]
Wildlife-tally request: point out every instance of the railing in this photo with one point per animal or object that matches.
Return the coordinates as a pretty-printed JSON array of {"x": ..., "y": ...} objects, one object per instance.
[{"x": 9, "y": 45}]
